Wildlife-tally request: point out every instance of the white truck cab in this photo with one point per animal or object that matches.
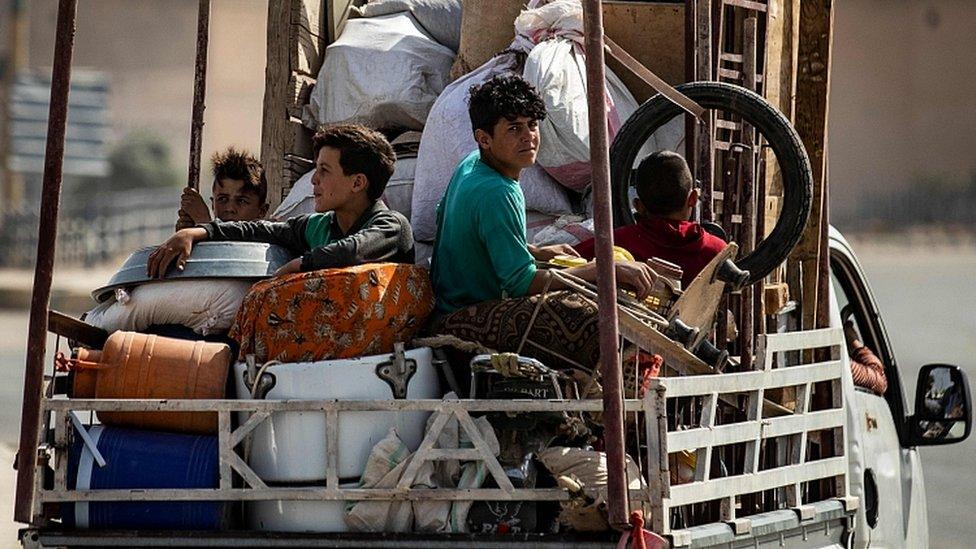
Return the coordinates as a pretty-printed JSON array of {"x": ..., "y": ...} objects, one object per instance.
[{"x": 884, "y": 431}]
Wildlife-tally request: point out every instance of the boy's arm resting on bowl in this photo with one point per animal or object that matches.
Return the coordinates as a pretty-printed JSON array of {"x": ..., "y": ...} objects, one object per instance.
[
  {"x": 288, "y": 234},
  {"x": 176, "y": 248}
]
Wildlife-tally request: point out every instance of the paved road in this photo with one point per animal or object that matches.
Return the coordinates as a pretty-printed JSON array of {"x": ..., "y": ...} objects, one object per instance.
[{"x": 928, "y": 299}]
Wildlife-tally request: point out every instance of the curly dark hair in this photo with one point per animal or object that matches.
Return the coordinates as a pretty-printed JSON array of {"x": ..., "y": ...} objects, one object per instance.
[
  {"x": 361, "y": 150},
  {"x": 240, "y": 165},
  {"x": 504, "y": 96}
]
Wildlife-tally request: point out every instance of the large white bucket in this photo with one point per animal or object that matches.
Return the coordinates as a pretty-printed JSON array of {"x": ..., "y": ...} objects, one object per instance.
[
  {"x": 291, "y": 446},
  {"x": 297, "y": 516}
]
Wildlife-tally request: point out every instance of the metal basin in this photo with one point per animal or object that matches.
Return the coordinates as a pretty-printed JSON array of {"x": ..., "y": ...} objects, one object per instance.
[{"x": 208, "y": 260}]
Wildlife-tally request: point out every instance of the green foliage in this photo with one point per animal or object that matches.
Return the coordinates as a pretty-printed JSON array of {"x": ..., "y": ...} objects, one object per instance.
[{"x": 140, "y": 161}]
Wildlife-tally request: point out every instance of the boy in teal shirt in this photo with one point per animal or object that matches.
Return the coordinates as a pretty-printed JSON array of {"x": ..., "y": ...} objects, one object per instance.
[
  {"x": 483, "y": 270},
  {"x": 353, "y": 226}
]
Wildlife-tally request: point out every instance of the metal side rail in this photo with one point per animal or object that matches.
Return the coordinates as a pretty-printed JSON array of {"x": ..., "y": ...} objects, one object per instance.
[
  {"x": 36, "y": 539},
  {"x": 829, "y": 523}
]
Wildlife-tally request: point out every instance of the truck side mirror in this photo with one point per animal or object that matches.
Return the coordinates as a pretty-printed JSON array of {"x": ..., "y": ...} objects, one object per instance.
[{"x": 943, "y": 408}]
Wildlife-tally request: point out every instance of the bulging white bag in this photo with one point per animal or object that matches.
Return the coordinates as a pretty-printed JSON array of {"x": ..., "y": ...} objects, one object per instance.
[
  {"x": 556, "y": 67},
  {"x": 382, "y": 72},
  {"x": 205, "y": 306},
  {"x": 440, "y": 18},
  {"x": 448, "y": 138}
]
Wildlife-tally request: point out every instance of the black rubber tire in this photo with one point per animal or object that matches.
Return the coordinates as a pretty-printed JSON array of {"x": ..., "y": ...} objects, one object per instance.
[{"x": 769, "y": 122}]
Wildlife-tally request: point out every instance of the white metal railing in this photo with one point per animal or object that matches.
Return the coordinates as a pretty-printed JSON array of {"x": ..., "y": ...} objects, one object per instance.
[
  {"x": 791, "y": 469},
  {"x": 659, "y": 498}
]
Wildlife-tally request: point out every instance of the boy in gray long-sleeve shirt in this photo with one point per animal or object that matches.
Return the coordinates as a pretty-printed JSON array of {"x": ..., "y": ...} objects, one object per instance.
[{"x": 353, "y": 165}]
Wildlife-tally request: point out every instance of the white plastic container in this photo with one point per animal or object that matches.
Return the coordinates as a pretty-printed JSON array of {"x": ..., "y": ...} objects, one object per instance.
[
  {"x": 291, "y": 446},
  {"x": 297, "y": 516}
]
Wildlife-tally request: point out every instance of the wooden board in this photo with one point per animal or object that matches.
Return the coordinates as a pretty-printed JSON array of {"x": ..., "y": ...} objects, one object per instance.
[
  {"x": 654, "y": 34},
  {"x": 697, "y": 305},
  {"x": 337, "y": 14},
  {"x": 307, "y": 40},
  {"x": 276, "y": 77},
  {"x": 812, "y": 92}
]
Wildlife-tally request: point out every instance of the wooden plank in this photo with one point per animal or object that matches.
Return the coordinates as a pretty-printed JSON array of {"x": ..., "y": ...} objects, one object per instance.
[
  {"x": 224, "y": 448},
  {"x": 742, "y": 382},
  {"x": 316, "y": 494},
  {"x": 247, "y": 427},
  {"x": 420, "y": 456},
  {"x": 721, "y": 435},
  {"x": 812, "y": 92},
  {"x": 298, "y": 143},
  {"x": 703, "y": 166},
  {"x": 250, "y": 477},
  {"x": 337, "y": 14},
  {"x": 274, "y": 117},
  {"x": 427, "y": 405},
  {"x": 647, "y": 338},
  {"x": 807, "y": 339},
  {"x": 307, "y": 40},
  {"x": 658, "y": 475},
  {"x": 782, "y": 26},
  {"x": 495, "y": 468},
  {"x": 62, "y": 441},
  {"x": 698, "y": 304},
  {"x": 654, "y": 34},
  {"x": 686, "y": 494},
  {"x": 76, "y": 330},
  {"x": 747, "y": 318},
  {"x": 332, "y": 449}
]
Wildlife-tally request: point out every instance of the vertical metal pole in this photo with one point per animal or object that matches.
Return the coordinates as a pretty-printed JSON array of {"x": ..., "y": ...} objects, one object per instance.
[
  {"x": 199, "y": 93},
  {"x": 44, "y": 268},
  {"x": 612, "y": 376}
]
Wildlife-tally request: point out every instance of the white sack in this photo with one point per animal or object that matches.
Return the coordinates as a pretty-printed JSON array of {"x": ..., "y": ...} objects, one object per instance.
[
  {"x": 300, "y": 199},
  {"x": 382, "y": 72},
  {"x": 535, "y": 222},
  {"x": 567, "y": 229},
  {"x": 205, "y": 306},
  {"x": 448, "y": 138},
  {"x": 387, "y": 463},
  {"x": 399, "y": 189},
  {"x": 440, "y": 18},
  {"x": 557, "y": 68},
  {"x": 584, "y": 474}
]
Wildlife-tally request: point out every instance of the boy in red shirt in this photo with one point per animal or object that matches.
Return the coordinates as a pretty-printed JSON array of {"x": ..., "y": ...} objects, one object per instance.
[{"x": 665, "y": 201}]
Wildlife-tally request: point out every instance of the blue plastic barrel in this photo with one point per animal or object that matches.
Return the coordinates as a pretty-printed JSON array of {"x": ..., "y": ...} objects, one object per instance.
[{"x": 144, "y": 459}]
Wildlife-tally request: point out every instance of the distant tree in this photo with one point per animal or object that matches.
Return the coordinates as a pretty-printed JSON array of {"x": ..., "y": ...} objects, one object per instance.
[{"x": 139, "y": 161}]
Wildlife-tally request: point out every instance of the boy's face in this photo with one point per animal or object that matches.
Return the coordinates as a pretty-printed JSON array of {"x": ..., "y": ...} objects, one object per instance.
[
  {"x": 512, "y": 143},
  {"x": 333, "y": 188},
  {"x": 233, "y": 201}
]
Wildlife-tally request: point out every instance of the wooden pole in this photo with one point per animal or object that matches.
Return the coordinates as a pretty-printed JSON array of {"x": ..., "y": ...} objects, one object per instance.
[
  {"x": 704, "y": 170},
  {"x": 748, "y": 198},
  {"x": 612, "y": 376},
  {"x": 30, "y": 423},
  {"x": 199, "y": 93}
]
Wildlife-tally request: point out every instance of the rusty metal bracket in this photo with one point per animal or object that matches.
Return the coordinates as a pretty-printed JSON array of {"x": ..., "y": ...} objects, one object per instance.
[{"x": 397, "y": 371}]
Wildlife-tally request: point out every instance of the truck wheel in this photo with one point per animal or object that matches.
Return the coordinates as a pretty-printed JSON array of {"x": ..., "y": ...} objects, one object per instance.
[{"x": 769, "y": 122}]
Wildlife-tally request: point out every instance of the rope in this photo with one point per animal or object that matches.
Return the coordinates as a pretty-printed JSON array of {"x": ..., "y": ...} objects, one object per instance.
[
  {"x": 442, "y": 340},
  {"x": 535, "y": 312}
]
